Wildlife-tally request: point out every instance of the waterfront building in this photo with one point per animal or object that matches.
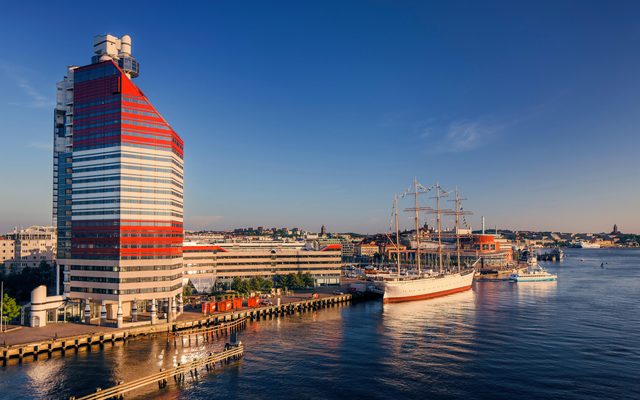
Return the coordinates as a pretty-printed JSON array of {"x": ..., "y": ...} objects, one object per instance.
[
  {"x": 199, "y": 266},
  {"x": 208, "y": 264},
  {"x": 31, "y": 247},
  {"x": 367, "y": 249},
  {"x": 492, "y": 250},
  {"x": 118, "y": 190},
  {"x": 7, "y": 249},
  {"x": 62, "y": 163},
  {"x": 348, "y": 249},
  {"x": 347, "y": 246},
  {"x": 390, "y": 251}
]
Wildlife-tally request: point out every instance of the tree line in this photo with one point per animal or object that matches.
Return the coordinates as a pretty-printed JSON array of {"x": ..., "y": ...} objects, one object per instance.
[
  {"x": 18, "y": 285},
  {"x": 257, "y": 283},
  {"x": 20, "y": 282}
]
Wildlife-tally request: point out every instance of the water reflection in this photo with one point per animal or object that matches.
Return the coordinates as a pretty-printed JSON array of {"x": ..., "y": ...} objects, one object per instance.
[
  {"x": 569, "y": 339},
  {"x": 437, "y": 334},
  {"x": 535, "y": 290}
]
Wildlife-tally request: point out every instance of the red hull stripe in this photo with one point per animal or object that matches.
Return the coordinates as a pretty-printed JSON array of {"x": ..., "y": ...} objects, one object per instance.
[{"x": 426, "y": 296}]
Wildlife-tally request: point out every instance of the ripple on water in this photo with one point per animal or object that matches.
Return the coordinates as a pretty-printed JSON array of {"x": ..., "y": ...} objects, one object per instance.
[{"x": 574, "y": 339}]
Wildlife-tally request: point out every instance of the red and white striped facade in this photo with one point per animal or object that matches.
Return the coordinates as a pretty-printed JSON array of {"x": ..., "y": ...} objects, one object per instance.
[{"x": 127, "y": 193}]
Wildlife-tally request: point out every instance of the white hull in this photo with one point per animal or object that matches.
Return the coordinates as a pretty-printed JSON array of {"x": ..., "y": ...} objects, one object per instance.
[
  {"x": 587, "y": 245},
  {"x": 524, "y": 278},
  {"x": 407, "y": 289},
  {"x": 534, "y": 273}
]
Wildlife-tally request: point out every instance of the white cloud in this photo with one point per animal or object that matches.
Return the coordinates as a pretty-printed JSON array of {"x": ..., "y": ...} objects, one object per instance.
[
  {"x": 16, "y": 75},
  {"x": 37, "y": 100},
  {"x": 457, "y": 136},
  {"x": 462, "y": 136}
]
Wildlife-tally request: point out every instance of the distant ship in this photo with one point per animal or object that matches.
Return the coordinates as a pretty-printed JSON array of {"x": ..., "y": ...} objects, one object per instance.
[
  {"x": 434, "y": 283},
  {"x": 533, "y": 273},
  {"x": 587, "y": 245}
]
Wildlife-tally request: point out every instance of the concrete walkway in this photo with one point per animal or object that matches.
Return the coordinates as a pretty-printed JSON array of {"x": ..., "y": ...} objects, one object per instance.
[
  {"x": 27, "y": 334},
  {"x": 61, "y": 330}
]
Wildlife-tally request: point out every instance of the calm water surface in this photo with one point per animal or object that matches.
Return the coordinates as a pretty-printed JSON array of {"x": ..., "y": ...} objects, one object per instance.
[{"x": 578, "y": 338}]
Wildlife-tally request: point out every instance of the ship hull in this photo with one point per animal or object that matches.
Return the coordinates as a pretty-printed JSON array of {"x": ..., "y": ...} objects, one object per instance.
[
  {"x": 537, "y": 279},
  {"x": 425, "y": 288}
]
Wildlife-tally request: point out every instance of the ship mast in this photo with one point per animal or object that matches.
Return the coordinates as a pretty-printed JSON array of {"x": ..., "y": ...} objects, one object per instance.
[
  {"x": 458, "y": 227},
  {"x": 418, "y": 189},
  {"x": 417, "y": 218},
  {"x": 438, "y": 211},
  {"x": 439, "y": 224},
  {"x": 395, "y": 207},
  {"x": 457, "y": 213}
]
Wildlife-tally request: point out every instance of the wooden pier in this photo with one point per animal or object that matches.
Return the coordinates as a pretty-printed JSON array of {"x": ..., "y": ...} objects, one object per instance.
[
  {"x": 219, "y": 322},
  {"x": 208, "y": 332},
  {"x": 162, "y": 378}
]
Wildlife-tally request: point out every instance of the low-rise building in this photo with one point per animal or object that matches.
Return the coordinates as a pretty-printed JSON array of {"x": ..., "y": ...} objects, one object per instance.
[
  {"x": 348, "y": 249},
  {"x": 390, "y": 250},
  {"x": 366, "y": 249},
  {"x": 7, "y": 249},
  {"x": 206, "y": 265},
  {"x": 199, "y": 266},
  {"x": 32, "y": 246}
]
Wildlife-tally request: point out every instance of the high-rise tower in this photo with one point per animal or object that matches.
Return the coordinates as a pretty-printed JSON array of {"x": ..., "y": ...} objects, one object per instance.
[{"x": 118, "y": 190}]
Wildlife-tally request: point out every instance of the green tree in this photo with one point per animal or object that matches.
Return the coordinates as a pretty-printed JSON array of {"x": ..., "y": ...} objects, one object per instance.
[
  {"x": 235, "y": 284},
  {"x": 308, "y": 280},
  {"x": 255, "y": 283},
  {"x": 297, "y": 280},
  {"x": 243, "y": 287},
  {"x": 10, "y": 308},
  {"x": 187, "y": 291},
  {"x": 267, "y": 284},
  {"x": 287, "y": 281}
]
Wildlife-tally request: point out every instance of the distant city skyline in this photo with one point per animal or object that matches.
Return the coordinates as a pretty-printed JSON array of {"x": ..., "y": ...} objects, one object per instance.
[{"x": 316, "y": 114}]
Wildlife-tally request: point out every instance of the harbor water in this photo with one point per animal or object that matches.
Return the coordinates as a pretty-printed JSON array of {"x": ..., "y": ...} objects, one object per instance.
[{"x": 577, "y": 338}]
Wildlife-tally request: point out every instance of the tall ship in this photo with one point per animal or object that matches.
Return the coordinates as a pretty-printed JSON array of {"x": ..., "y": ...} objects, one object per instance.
[{"x": 429, "y": 281}]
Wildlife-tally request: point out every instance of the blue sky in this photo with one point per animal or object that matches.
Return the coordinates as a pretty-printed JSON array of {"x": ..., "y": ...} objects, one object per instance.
[{"x": 310, "y": 113}]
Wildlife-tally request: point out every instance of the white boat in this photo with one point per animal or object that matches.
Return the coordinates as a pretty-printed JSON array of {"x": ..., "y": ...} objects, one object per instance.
[
  {"x": 427, "y": 286},
  {"x": 533, "y": 273},
  {"x": 587, "y": 245}
]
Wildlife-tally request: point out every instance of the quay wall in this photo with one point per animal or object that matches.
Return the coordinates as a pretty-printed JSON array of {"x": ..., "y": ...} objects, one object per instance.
[{"x": 70, "y": 343}]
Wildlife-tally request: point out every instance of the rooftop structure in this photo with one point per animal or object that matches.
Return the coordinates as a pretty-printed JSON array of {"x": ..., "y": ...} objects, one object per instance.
[{"x": 109, "y": 47}]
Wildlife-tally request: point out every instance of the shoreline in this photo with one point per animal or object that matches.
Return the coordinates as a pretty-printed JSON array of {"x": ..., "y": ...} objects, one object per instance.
[{"x": 96, "y": 335}]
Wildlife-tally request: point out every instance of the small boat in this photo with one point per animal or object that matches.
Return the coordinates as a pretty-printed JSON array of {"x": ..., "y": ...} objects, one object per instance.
[{"x": 533, "y": 273}]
